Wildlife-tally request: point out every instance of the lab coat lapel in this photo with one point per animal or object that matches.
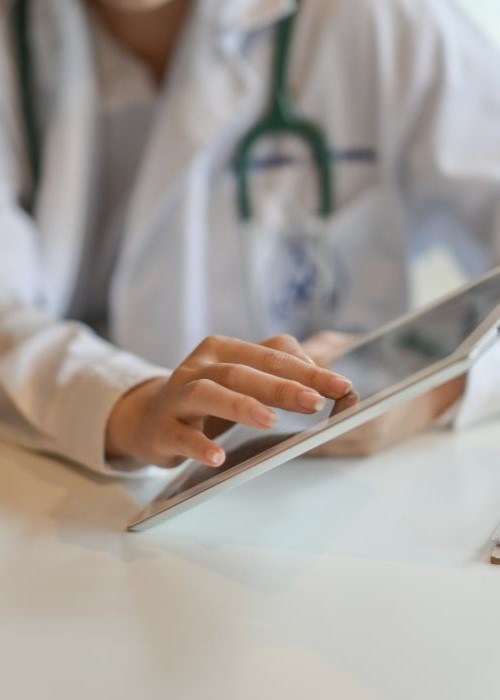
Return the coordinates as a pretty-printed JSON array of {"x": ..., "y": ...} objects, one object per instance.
[
  {"x": 214, "y": 93},
  {"x": 64, "y": 201},
  {"x": 211, "y": 90}
]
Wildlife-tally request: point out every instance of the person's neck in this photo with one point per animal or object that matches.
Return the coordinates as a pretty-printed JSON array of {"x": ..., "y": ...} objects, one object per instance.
[{"x": 150, "y": 34}]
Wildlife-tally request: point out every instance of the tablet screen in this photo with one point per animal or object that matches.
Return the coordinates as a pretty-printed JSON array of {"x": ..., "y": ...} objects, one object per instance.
[{"x": 420, "y": 342}]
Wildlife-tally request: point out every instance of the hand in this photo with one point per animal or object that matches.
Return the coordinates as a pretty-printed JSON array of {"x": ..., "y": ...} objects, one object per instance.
[
  {"x": 164, "y": 421},
  {"x": 394, "y": 426}
]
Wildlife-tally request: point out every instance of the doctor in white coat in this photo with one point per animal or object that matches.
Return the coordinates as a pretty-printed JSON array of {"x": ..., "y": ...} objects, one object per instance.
[{"x": 133, "y": 253}]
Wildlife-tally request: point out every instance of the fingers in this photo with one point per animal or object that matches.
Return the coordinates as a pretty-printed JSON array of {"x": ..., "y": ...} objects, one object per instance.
[
  {"x": 266, "y": 388},
  {"x": 288, "y": 344},
  {"x": 279, "y": 363},
  {"x": 207, "y": 397},
  {"x": 229, "y": 380},
  {"x": 345, "y": 403},
  {"x": 232, "y": 381},
  {"x": 187, "y": 442}
]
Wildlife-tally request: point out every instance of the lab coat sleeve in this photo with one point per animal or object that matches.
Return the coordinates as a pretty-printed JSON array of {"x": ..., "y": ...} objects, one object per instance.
[
  {"x": 58, "y": 380},
  {"x": 440, "y": 131},
  {"x": 59, "y": 383}
]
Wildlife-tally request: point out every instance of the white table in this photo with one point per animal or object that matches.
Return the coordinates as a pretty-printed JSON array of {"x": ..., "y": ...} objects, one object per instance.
[{"x": 346, "y": 580}]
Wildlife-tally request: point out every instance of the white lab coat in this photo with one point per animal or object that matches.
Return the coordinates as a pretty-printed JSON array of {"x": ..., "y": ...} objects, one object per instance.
[{"x": 405, "y": 91}]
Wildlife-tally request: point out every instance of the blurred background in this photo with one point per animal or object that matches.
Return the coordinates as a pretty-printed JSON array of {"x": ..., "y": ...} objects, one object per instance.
[
  {"x": 436, "y": 273},
  {"x": 486, "y": 13}
]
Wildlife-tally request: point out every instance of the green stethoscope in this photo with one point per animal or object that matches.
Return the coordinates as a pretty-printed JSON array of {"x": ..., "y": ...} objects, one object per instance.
[
  {"x": 282, "y": 118},
  {"x": 20, "y": 32}
]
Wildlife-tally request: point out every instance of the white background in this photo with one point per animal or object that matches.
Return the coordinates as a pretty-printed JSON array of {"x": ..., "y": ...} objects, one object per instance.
[
  {"x": 436, "y": 273},
  {"x": 487, "y": 14}
]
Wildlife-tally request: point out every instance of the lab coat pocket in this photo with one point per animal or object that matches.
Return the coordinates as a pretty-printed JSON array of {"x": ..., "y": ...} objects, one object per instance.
[
  {"x": 288, "y": 274},
  {"x": 288, "y": 268},
  {"x": 346, "y": 272}
]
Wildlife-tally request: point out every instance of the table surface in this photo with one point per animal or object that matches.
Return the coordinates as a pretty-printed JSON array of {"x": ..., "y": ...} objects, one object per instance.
[{"x": 353, "y": 580}]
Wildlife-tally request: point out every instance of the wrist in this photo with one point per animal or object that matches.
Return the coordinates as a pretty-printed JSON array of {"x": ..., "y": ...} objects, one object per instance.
[{"x": 123, "y": 427}]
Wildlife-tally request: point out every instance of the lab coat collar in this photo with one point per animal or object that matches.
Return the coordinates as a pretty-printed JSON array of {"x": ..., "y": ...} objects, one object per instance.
[
  {"x": 203, "y": 77},
  {"x": 212, "y": 77}
]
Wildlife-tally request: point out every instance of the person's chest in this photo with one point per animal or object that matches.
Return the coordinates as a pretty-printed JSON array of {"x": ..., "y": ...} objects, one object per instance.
[
  {"x": 182, "y": 233},
  {"x": 212, "y": 272}
]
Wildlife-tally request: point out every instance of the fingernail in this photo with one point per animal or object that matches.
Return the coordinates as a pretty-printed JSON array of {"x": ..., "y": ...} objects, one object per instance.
[
  {"x": 265, "y": 417},
  {"x": 341, "y": 385},
  {"x": 309, "y": 360},
  {"x": 216, "y": 458},
  {"x": 311, "y": 401}
]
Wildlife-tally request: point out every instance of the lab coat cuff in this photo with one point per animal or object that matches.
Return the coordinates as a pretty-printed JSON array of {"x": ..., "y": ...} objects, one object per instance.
[
  {"x": 100, "y": 388},
  {"x": 481, "y": 400}
]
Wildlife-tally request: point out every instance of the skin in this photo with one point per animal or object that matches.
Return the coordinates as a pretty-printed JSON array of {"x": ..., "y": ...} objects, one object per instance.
[
  {"x": 225, "y": 380},
  {"x": 148, "y": 28},
  {"x": 167, "y": 420}
]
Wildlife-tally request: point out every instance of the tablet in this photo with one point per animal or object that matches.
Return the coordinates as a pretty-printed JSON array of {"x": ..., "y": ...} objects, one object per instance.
[{"x": 399, "y": 362}]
